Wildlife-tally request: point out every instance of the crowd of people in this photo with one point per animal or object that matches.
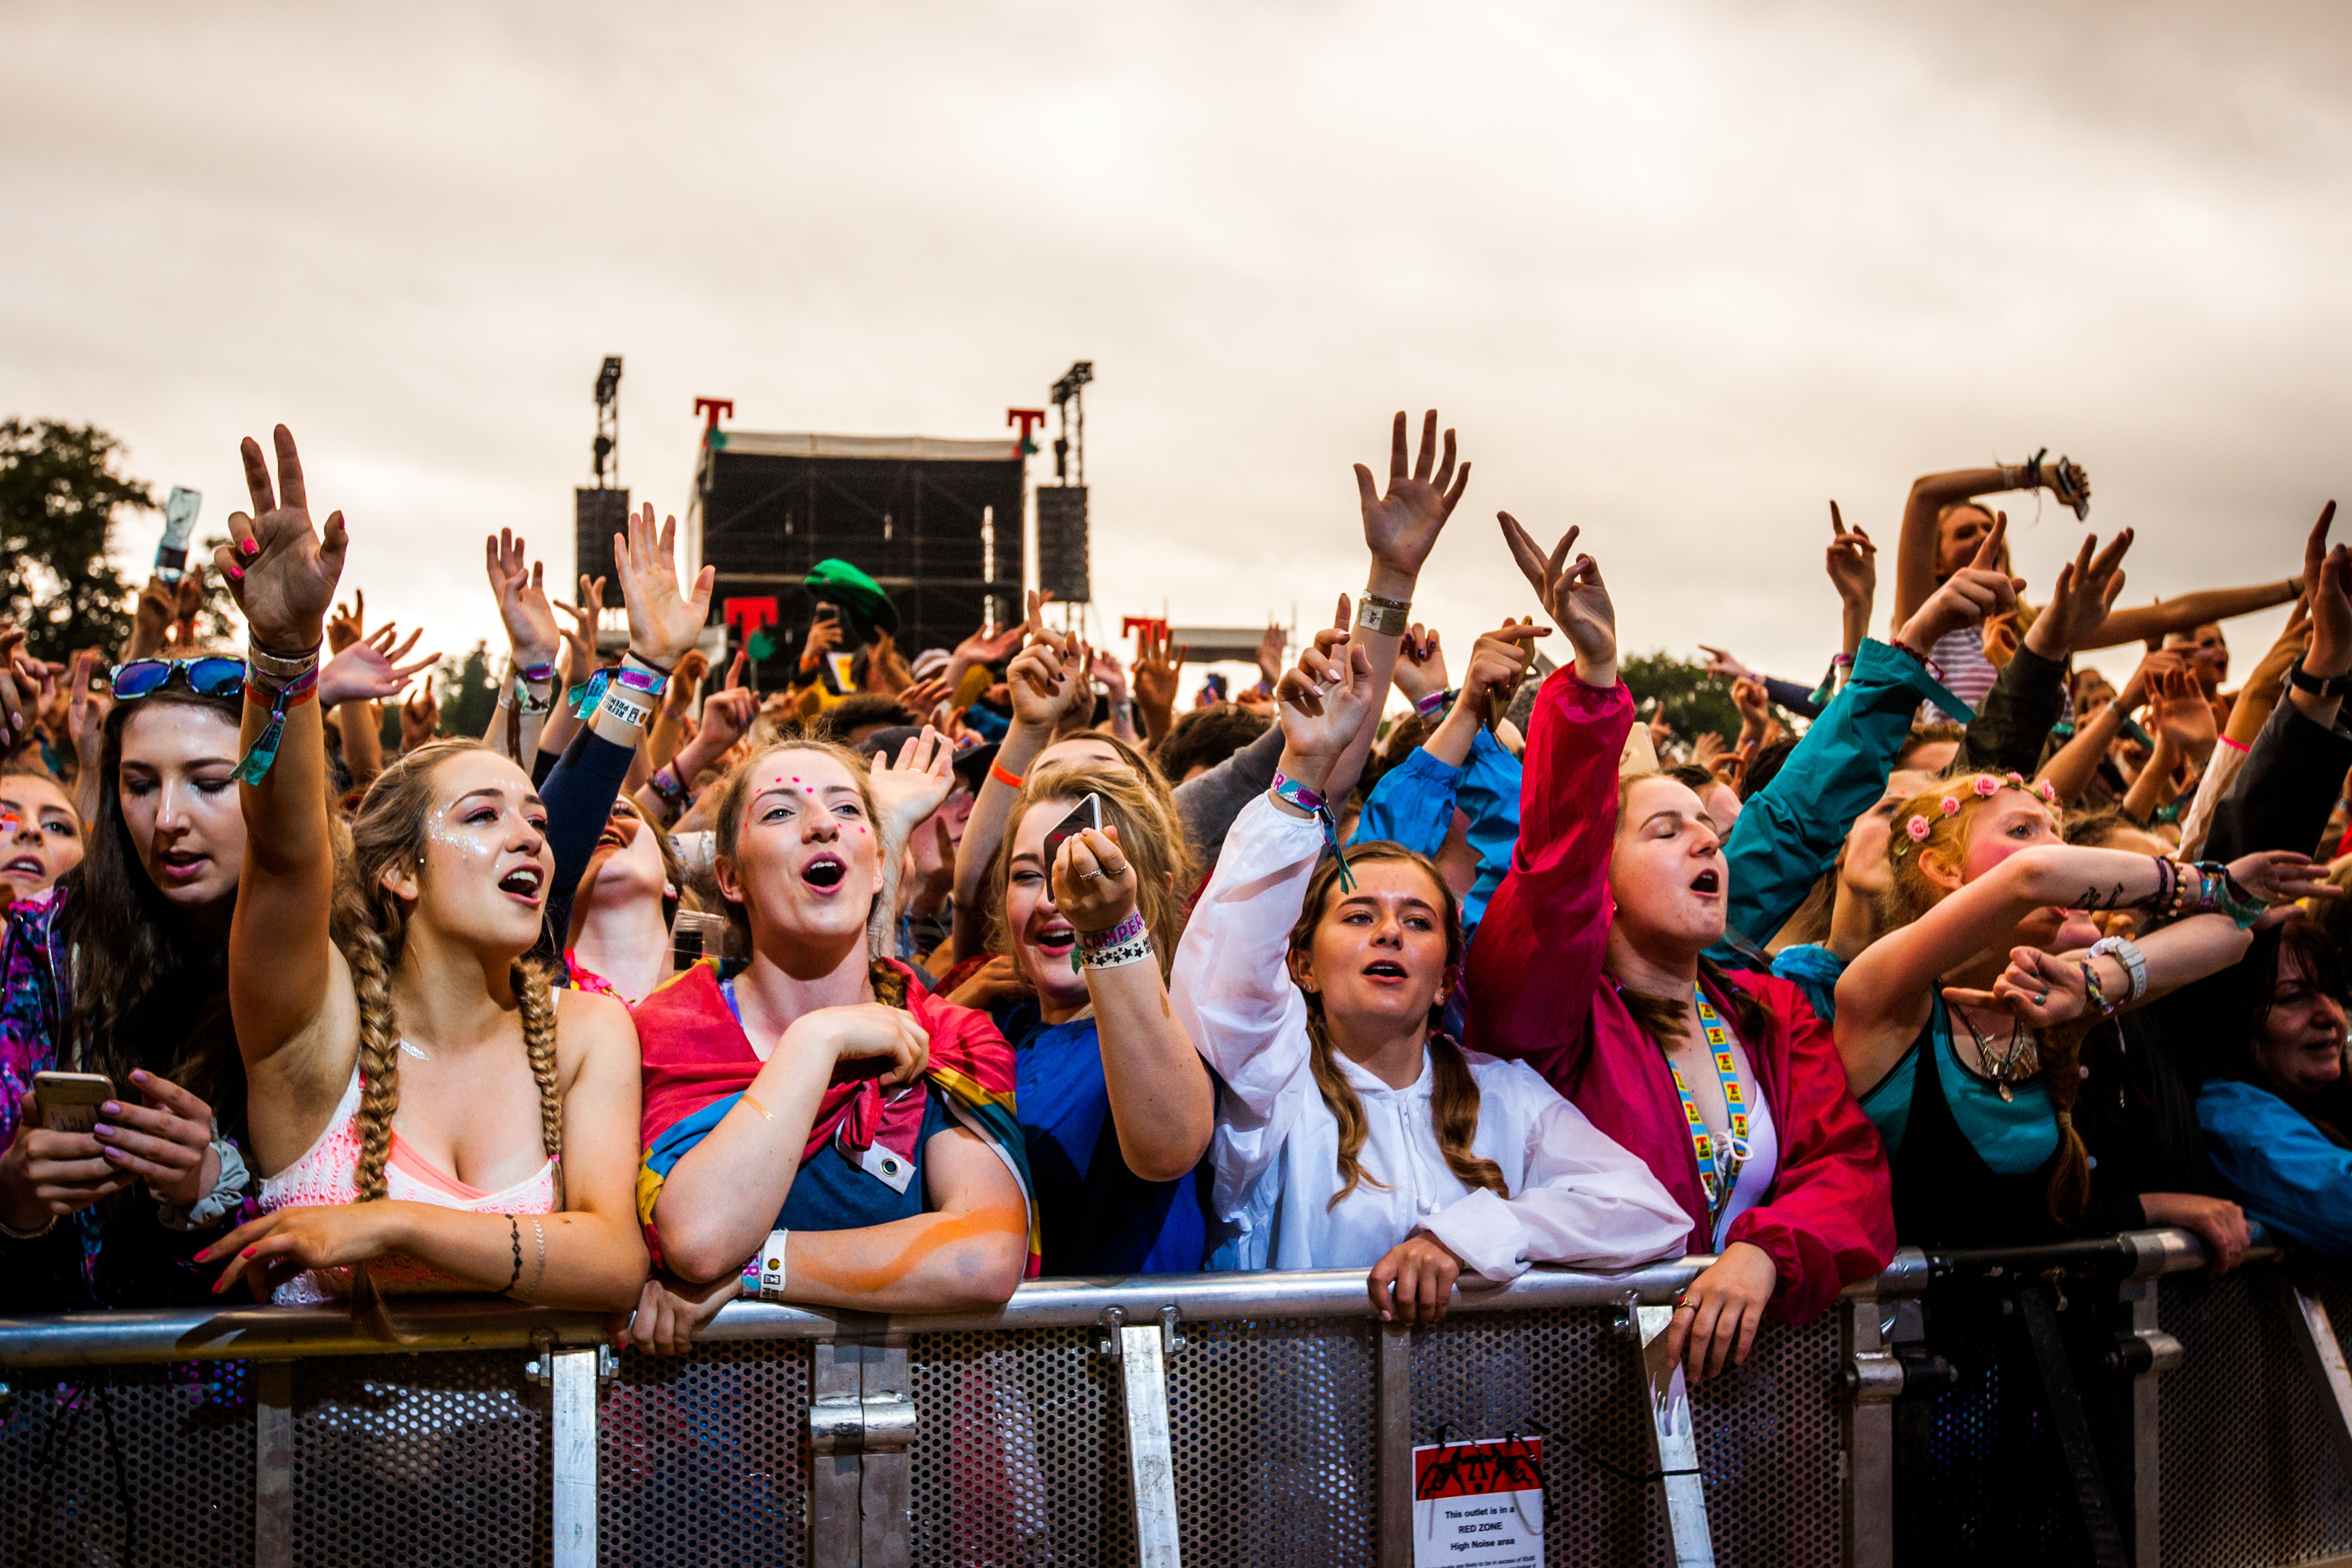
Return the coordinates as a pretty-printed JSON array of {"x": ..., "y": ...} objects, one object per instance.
[{"x": 912, "y": 977}]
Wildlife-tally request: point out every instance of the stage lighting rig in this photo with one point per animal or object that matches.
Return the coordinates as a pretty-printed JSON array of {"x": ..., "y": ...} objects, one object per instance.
[
  {"x": 1066, "y": 391},
  {"x": 606, "y": 450}
]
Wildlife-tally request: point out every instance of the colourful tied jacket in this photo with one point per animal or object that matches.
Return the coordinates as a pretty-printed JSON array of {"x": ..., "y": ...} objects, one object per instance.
[
  {"x": 697, "y": 1063},
  {"x": 1538, "y": 994}
]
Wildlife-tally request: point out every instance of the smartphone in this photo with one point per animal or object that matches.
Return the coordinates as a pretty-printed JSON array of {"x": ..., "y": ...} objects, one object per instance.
[
  {"x": 1088, "y": 814},
  {"x": 69, "y": 1100},
  {"x": 179, "y": 523},
  {"x": 824, "y": 613},
  {"x": 697, "y": 935}
]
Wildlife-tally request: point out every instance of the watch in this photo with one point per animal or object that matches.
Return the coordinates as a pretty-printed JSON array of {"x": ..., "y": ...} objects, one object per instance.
[{"x": 2332, "y": 686}]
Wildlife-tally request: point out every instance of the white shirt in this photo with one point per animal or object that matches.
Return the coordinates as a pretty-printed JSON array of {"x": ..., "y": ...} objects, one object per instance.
[
  {"x": 1576, "y": 1195},
  {"x": 1763, "y": 1159}
]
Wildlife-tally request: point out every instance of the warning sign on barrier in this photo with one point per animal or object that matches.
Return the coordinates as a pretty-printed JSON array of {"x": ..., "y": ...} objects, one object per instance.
[{"x": 1478, "y": 1502}]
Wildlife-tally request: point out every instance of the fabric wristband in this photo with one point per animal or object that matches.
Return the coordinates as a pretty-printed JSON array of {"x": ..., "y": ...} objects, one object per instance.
[
  {"x": 256, "y": 764},
  {"x": 665, "y": 783},
  {"x": 1429, "y": 704},
  {"x": 1290, "y": 791}
]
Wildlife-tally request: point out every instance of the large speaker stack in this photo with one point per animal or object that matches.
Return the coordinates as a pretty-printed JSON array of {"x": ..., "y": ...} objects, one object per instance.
[{"x": 1062, "y": 543}]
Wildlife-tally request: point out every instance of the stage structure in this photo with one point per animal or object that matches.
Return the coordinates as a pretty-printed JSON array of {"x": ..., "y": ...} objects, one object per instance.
[
  {"x": 936, "y": 522},
  {"x": 601, "y": 510}
]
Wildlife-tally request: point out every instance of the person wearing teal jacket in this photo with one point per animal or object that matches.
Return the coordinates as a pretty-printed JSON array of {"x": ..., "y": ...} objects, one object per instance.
[{"x": 1414, "y": 803}]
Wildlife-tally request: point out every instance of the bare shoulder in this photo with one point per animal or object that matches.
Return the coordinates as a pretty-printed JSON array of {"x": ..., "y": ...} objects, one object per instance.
[{"x": 593, "y": 1028}]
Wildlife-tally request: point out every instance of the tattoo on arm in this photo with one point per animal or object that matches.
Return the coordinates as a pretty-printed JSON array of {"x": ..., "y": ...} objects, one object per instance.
[{"x": 2094, "y": 900}]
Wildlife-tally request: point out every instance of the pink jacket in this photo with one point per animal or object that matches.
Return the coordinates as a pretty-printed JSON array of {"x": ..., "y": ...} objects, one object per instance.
[{"x": 1536, "y": 994}]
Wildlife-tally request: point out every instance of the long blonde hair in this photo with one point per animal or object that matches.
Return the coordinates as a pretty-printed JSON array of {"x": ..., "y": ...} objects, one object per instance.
[
  {"x": 728, "y": 835},
  {"x": 1940, "y": 819},
  {"x": 370, "y": 927},
  {"x": 1148, "y": 833},
  {"x": 1454, "y": 1091}
]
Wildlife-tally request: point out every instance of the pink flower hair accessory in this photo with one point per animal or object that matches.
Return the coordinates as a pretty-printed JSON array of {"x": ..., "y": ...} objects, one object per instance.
[
  {"x": 1986, "y": 784},
  {"x": 1918, "y": 827},
  {"x": 1951, "y": 806}
]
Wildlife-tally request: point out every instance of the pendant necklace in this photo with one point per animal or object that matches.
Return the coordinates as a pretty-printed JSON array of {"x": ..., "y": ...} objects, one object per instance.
[{"x": 2019, "y": 1062}]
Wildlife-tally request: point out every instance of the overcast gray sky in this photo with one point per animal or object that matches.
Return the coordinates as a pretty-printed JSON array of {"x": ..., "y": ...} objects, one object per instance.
[{"x": 1679, "y": 272}]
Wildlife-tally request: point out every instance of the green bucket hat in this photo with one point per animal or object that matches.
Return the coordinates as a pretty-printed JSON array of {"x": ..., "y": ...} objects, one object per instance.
[{"x": 839, "y": 583}]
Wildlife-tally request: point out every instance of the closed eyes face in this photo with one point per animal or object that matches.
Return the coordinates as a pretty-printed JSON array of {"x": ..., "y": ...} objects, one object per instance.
[
  {"x": 1379, "y": 954},
  {"x": 40, "y": 836},
  {"x": 806, "y": 861},
  {"x": 1666, "y": 869},
  {"x": 1864, "y": 867},
  {"x": 177, "y": 788},
  {"x": 626, "y": 863}
]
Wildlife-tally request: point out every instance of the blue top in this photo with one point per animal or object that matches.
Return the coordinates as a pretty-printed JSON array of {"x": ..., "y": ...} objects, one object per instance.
[
  {"x": 2291, "y": 1177},
  {"x": 1415, "y": 802},
  {"x": 2015, "y": 1137},
  {"x": 1790, "y": 831},
  {"x": 834, "y": 1191},
  {"x": 1098, "y": 1215},
  {"x": 1813, "y": 970}
]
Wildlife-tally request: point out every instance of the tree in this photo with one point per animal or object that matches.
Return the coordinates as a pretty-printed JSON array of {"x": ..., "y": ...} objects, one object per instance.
[
  {"x": 58, "y": 492},
  {"x": 1695, "y": 703},
  {"x": 470, "y": 693}
]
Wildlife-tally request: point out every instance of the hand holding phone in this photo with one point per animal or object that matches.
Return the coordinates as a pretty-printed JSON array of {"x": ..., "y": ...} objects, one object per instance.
[
  {"x": 1086, "y": 814},
  {"x": 179, "y": 523},
  {"x": 69, "y": 1100}
]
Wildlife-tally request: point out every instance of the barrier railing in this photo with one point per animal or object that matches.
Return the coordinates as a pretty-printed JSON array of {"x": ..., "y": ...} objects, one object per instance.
[{"x": 1210, "y": 1419}]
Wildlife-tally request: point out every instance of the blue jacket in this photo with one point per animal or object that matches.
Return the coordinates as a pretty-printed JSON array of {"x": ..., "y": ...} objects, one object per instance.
[
  {"x": 1415, "y": 802},
  {"x": 1790, "y": 832},
  {"x": 2289, "y": 1175}
]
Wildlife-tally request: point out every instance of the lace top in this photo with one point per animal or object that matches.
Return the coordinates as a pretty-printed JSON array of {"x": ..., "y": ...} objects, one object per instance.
[{"x": 328, "y": 1172}]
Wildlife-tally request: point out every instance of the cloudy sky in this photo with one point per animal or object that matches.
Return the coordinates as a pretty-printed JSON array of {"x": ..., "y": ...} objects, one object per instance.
[{"x": 1679, "y": 272}]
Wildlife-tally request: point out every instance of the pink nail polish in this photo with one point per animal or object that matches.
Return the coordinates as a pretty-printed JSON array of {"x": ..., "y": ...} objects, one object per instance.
[
  {"x": 249, "y": 547},
  {"x": 238, "y": 572}
]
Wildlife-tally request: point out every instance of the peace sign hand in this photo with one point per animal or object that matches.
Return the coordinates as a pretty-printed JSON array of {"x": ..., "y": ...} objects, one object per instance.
[
  {"x": 281, "y": 575},
  {"x": 1573, "y": 595}
]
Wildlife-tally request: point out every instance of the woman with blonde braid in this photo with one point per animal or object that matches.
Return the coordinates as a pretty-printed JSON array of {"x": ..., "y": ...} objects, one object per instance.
[
  {"x": 1351, "y": 1132},
  {"x": 426, "y": 1116},
  {"x": 1962, "y": 1055}
]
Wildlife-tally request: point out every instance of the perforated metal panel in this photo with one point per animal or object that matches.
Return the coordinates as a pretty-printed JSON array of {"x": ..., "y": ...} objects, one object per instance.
[
  {"x": 2250, "y": 1475},
  {"x": 704, "y": 1458},
  {"x": 1979, "y": 1475},
  {"x": 175, "y": 1442},
  {"x": 419, "y": 1460},
  {"x": 1767, "y": 1434}
]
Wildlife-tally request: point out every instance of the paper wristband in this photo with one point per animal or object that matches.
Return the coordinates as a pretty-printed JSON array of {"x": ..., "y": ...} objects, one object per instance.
[
  {"x": 765, "y": 1272},
  {"x": 1383, "y": 621},
  {"x": 618, "y": 705}
]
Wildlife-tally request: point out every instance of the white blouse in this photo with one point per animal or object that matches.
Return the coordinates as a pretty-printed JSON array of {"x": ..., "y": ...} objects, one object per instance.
[{"x": 1576, "y": 1195}]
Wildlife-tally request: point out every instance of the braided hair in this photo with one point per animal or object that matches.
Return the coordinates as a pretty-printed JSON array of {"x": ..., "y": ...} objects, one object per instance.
[{"x": 370, "y": 927}]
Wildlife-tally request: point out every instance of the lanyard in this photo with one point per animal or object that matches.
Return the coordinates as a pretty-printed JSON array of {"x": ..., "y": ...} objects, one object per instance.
[{"x": 1718, "y": 1188}]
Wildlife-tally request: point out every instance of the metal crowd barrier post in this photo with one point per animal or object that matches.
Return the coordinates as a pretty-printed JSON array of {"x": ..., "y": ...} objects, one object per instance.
[{"x": 1255, "y": 1413}]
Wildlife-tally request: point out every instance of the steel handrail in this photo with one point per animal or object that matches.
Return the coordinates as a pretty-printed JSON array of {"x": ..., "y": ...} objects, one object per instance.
[{"x": 472, "y": 1323}]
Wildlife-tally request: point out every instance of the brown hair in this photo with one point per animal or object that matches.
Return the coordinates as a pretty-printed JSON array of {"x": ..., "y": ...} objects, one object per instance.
[
  {"x": 1453, "y": 1100},
  {"x": 371, "y": 927},
  {"x": 1912, "y": 893},
  {"x": 1148, "y": 833},
  {"x": 727, "y": 834}
]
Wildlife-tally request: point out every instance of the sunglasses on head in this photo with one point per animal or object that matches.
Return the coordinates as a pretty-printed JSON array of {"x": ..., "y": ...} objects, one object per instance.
[{"x": 205, "y": 676}]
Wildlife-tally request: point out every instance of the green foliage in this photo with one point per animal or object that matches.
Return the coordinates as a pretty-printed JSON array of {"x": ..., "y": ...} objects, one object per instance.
[
  {"x": 58, "y": 492},
  {"x": 220, "y": 621},
  {"x": 470, "y": 693},
  {"x": 1694, "y": 702}
]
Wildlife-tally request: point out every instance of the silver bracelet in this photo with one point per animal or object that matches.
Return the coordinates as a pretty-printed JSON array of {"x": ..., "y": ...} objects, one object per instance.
[{"x": 2126, "y": 951}]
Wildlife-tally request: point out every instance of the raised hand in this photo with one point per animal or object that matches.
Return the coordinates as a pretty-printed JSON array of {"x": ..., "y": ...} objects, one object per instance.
[
  {"x": 1498, "y": 662},
  {"x": 912, "y": 787},
  {"x": 348, "y": 623},
  {"x": 518, "y": 585},
  {"x": 1999, "y": 636},
  {"x": 1400, "y": 527},
  {"x": 151, "y": 618},
  {"x": 685, "y": 680},
  {"x": 1853, "y": 564},
  {"x": 2184, "y": 719},
  {"x": 370, "y": 670},
  {"x": 2283, "y": 877},
  {"x": 1093, "y": 883},
  {"x": 663, "y": 621},
  {"x": 580, "y": 637},
  {"x": 1721, "y": 662},
  {"x": 420, "y": 717},
  {"x": 86, "y": 710},
  {"x": 1980, "y": 589},
  {"x": 1270, "y": 649},
  {"x": 2086, "y": 591},
  {"x": 1324, "y": 699},
  {"x": 1159, "y": 667},
  {"x": 1573, "y": 595},
  {"x": 2294, "y": 639},
  {"x": 2327, "y": 574},
  {"x": 1420, "y": 666},
  {"x": 986, "y": 647},
  {"x": 281, "y": 575},
  {"x": 1104, "y": 670}
]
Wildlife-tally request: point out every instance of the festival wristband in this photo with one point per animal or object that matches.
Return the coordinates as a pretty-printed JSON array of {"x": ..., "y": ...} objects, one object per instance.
[
  {"x": 765, "y": 1273},
  {"x": 667, "y": 785},
  {"x": 1137, "y": 950},
  {"x": 1126, "y": 930},
  {"x": 1383, "y": 617},
  {"x": 1008, "y": 780},
  {"x": 618, "y": 677},
  {"x": 620, "y": 707},
  {"x": 256, "y": 764},
  {"x": 1291, "y": 792},
  {"x": 1428, "y": 706},
  {"x": 537, "y": 674}
]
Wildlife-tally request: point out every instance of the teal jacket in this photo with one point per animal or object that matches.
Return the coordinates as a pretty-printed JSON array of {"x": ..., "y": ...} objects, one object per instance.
[
  {"x": 1790, "y": 832},
  {"x": 2289, "y": 1175}
]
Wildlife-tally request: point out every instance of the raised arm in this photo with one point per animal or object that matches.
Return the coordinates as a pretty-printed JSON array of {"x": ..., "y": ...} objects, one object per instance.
[
  {"x": 1852, "y": 564},
  {"x": 2008, "y": 734},
  {"x": 1915, "y": 549},
  {"x": 2071, "y": 766},
  {"x": 282, "y": 576},
  {"x": 1538, "y": 956},
  {"x": 362, "y": 674},
  {"x": 526, "y": 689},
  {"x": 2141, "y": 623}
]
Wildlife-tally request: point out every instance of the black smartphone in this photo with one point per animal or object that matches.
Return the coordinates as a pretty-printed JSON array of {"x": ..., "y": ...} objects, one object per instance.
[
  {"x": 824, "y": 613},
  {"x": 1086, "y": 814}
]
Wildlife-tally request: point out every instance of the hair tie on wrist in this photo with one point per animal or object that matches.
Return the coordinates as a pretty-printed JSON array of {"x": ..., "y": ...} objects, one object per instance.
[{"x": 996, "y": 771}]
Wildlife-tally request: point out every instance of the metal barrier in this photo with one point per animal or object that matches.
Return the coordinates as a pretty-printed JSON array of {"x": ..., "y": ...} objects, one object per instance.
[{"x": 1195, "y": 1419}]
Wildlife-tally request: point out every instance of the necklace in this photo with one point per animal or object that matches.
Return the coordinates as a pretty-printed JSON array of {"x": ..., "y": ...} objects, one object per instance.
[{"x": 2019, "y": 1062}]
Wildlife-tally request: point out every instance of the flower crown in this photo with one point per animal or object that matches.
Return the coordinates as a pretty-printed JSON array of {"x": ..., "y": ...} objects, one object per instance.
[{"x": 1985, "y": 787}]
